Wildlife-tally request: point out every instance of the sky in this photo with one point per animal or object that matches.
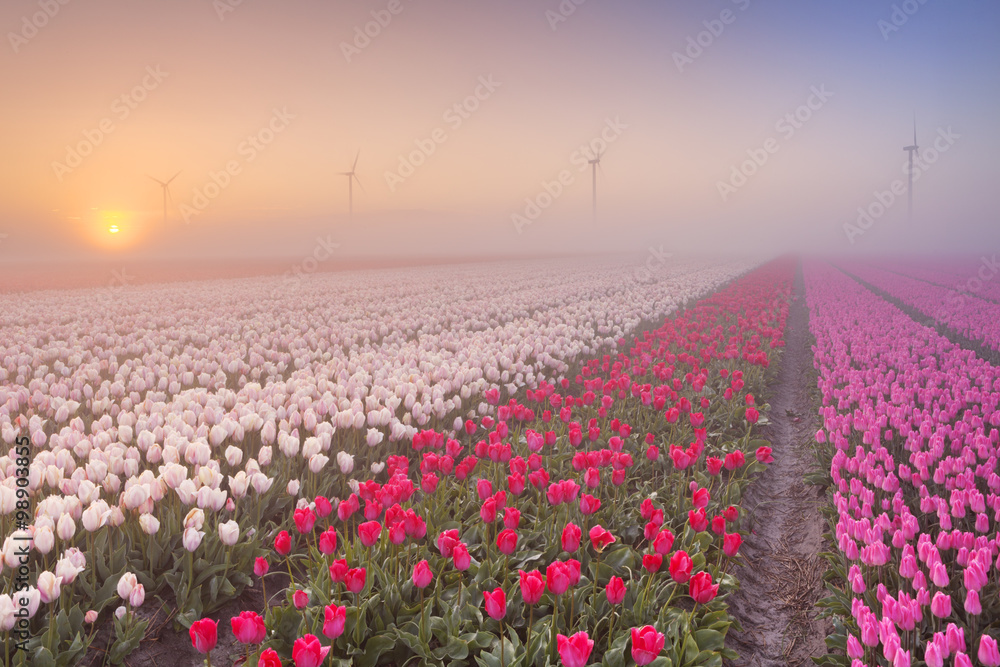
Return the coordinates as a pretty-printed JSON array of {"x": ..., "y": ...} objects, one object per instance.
[{"x": 723, "y": 125}]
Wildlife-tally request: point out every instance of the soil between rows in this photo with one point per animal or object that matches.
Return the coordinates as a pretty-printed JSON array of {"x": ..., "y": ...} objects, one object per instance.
[{"x": 781, "y": 576}]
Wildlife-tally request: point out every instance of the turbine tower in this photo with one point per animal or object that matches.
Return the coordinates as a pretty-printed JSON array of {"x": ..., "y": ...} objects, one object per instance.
[
  {"x": 166, "y": 192},
  {"x": 595, "y": 162},
  {"x": 351, "y": 177},
  {"x": 911, "y": 150}
]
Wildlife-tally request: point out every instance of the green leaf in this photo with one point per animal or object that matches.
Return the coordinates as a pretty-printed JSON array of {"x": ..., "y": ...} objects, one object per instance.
[{"x": 709, "y": 640}]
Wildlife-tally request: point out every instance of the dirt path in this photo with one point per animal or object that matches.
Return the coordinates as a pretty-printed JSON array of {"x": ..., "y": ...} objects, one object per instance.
[{"x": 780, "y": 580}]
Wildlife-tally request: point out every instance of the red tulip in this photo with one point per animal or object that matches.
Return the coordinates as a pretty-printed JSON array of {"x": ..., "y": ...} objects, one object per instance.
[
  {"x": 650, "y": 530},
  {"x": 260, "y": 566},
  {"x": 248, "y": 627},
  {"x": 496, "y": 603},
  {"x": 652, "y": 452},
  {"x": 338, "y": 570},
  {"x": 355, "y": 579},
  {"x": 300, "y": 599},
  {"x": 323, "y": 507},
  {"x": 429, "y": 482},
  {"x": 283, "y": 543},
  {"x": 422, "y": 574},
  {"x": 600, "y": 538},
  {"x": 714, "y": 465},
  {"x": 484, "y": 488},
  {"x": 702, "y": 589},
  {"x": 731, "y": 544},
  {"x": 334, "y": 618},
  {"x": 557, "y": 578},
  {"x": 269, "y": 658},
  {"x": 664, "y": 542},
  {"x": 646, "y": 509},
  {"x": 573, "y": 569},
  {"x": 589, "y": 504},
  {"x": 460, "y": 557},
  {"x": 734, "y": 460},
  {"x": 652, "y": 562},
  {"x": 532, "y": 586},
  {"x": 592, "y": 478},
  {"x": 574, "y": 651},
  {"x": 204, "y": 635},
  {"x": 617, "y": 479},
  {"x": 752, "y": 415},
  {"x": 308, "y": 652},
  {"x": 511, "y": 518},
  {"x": 764, "y": 455},
  {"x": 698, "y": 520},
  {"x": 446, "y": 542},
  {"x": 507, "y": 541},
  {"x": 328, "y": 541},
  {"x": 488, "y": 511},
  {"x": 304, "y": 519},
  {"x": 571, "y": 537},
  {"x": 369, "y": 532},
  {"x": 555, "y": 494},
  {"x": 615, "y": 590},
  {"x": 718, "y": 524},
  {"x": 731, "y": 514},
  {"x": 700, "y": 498},
  {"x": 680, "y": 567},
  {"x": 647, "y": 644}
]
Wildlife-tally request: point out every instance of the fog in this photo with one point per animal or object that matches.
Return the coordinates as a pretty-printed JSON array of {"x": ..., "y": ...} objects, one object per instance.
[{"x": 724, "y": 127}]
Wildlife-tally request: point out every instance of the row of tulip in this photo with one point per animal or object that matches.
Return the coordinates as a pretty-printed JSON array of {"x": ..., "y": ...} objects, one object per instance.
[
  {"x": 567, "y": 527},
  {"x": 969, "y": 277},
  {"x": 975, "y": 318},
  {"x": 164, "y": 432},
  {"x": 909, "y": 424}
]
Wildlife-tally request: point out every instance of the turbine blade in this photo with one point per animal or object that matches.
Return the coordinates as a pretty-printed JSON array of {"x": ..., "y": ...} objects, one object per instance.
[
  {"x": 359, "y": 183},
  {"x": 156, "y": 179},
  {"x": 355, "y": 165},
  {"x": 173, "y": 177}
]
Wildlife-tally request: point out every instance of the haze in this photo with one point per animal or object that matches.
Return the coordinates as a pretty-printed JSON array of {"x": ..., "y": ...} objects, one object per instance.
[{"x": 467, "y": 114}]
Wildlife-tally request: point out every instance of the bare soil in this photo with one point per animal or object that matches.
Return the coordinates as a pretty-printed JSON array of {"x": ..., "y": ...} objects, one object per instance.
[{"x": 781, "y": 575}]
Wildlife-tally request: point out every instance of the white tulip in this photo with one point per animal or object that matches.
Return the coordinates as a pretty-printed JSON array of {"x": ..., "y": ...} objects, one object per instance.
[
  {"x": 66, "y": 527},
  {"x": 126, "y": 583},
  {"x": 316, "y": 463},
  {"x": 149, "y": 524},
  {"x": 192, "y": 538},
  {"x": 49, "y": 586},
  {"x": 229, "y": 532},
  {"x": 44, "y": 540},
  {"x": 346, "y": 462}
]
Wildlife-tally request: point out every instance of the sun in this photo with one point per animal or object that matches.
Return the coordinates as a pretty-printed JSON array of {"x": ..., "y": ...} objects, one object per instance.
[{"x": 112, "y": 228}]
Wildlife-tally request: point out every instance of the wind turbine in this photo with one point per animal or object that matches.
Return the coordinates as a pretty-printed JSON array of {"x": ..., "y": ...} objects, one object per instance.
[
  {"x": 351, "y": 177},
  {"x": 912, "y": 150},
  {"x": 595, "y": 162},
  {"x": 166, "y": 192}
]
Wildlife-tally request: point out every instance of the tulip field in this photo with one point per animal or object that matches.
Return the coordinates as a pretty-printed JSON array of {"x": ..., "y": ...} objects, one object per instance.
[{"x": 517, "y": 463}]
